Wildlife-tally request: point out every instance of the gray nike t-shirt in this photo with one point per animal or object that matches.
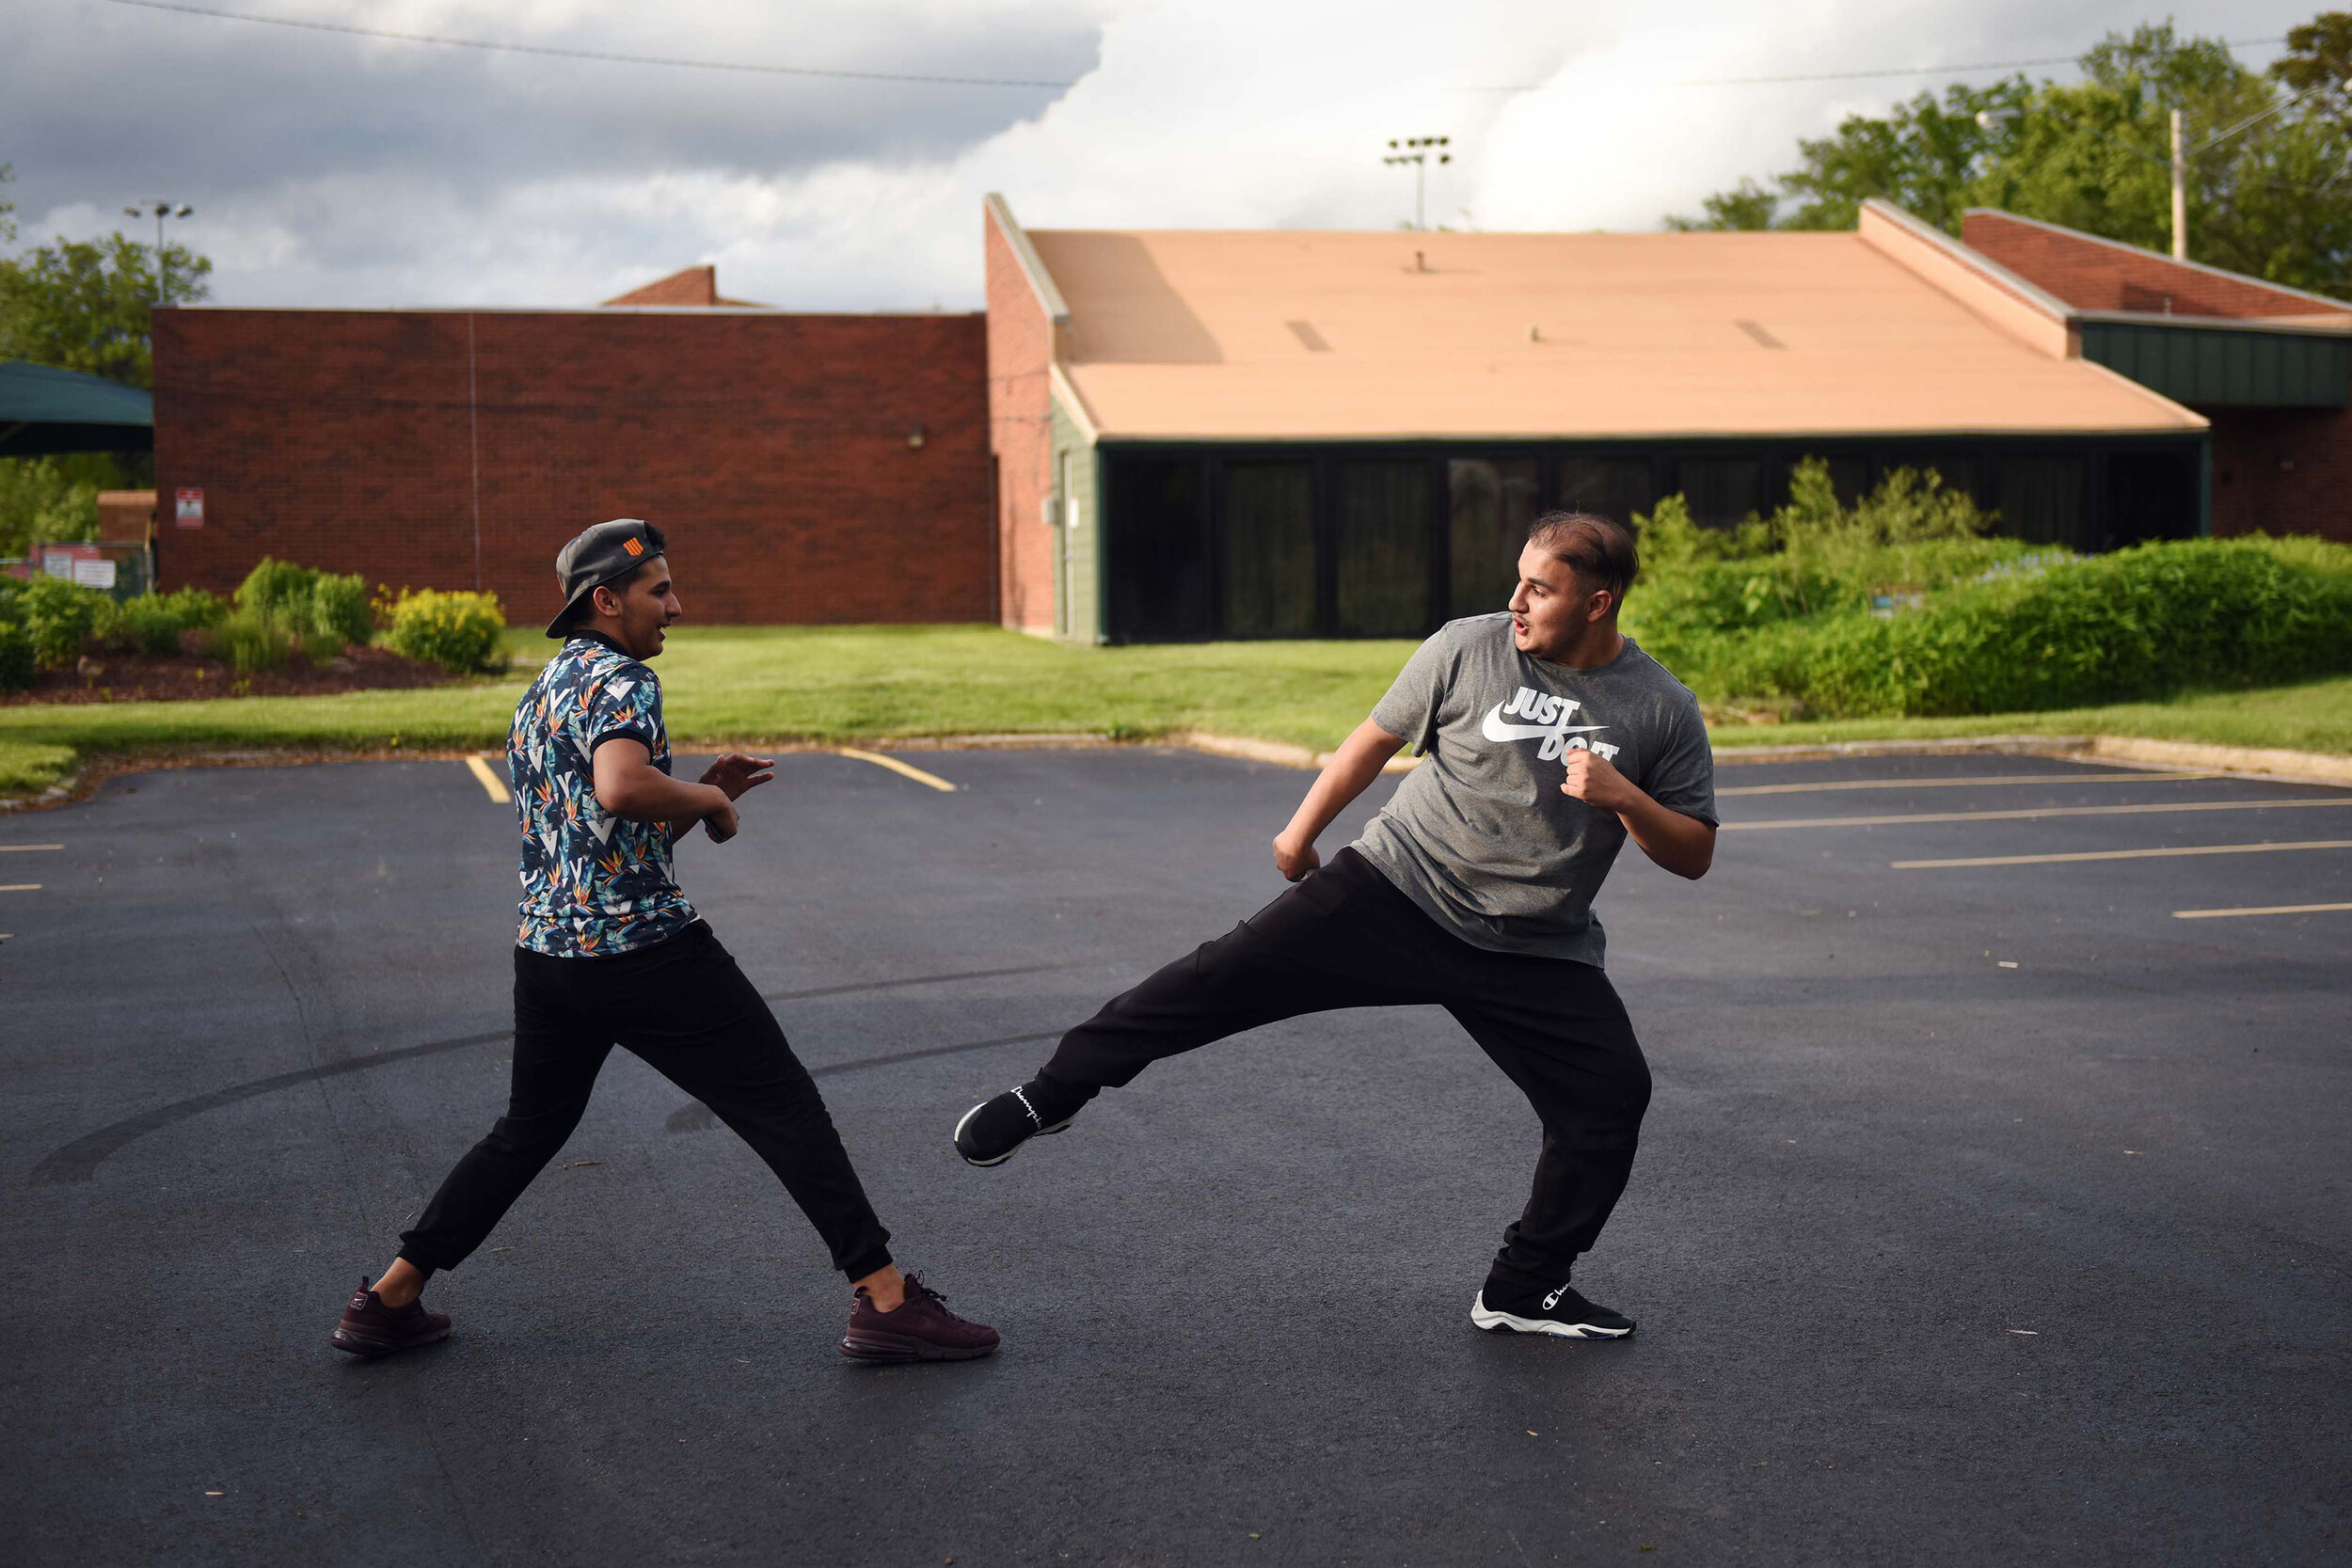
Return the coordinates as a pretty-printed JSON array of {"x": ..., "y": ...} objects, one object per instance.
[{"x": 1480, "y": 835}]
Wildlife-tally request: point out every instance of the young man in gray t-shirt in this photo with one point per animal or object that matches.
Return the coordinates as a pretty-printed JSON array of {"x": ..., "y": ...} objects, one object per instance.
[{"x": 1547, "y": 740}]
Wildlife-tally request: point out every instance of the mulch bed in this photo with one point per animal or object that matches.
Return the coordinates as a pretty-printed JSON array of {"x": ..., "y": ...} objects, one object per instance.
[{"x": 137, "y": 678}]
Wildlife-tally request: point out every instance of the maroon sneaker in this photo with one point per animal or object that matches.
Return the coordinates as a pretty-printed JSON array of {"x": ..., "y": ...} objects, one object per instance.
[
  {"x": 922, "y": 1329},
  {"x": 371, "y": 1329}
]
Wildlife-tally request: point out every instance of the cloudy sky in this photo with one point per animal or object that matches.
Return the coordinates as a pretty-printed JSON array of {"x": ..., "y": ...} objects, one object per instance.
[{"x": 330, "y": 169}]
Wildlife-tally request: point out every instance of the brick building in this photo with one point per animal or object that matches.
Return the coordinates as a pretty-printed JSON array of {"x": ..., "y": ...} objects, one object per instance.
[
  {"x": 1152, "y": 436},
  {"x": 809, "y": 468}
]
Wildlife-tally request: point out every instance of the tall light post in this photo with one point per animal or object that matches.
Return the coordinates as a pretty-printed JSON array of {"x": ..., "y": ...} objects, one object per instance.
[
  {"x": 1416, "y": 150},
  {"x": 162, "y": 210}
]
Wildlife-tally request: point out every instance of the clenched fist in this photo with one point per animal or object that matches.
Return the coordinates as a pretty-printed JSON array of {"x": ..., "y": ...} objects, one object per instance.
[{"x": 1595, "y": 780}]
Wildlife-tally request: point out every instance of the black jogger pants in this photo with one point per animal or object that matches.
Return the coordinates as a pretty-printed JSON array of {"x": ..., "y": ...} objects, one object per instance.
[
  {"x": 1346, "y": 938},
  {"x": 685, "y": 1007}
]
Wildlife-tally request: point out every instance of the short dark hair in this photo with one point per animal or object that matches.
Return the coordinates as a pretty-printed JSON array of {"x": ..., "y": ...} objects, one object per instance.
[{"x": 1599, "y": 548}]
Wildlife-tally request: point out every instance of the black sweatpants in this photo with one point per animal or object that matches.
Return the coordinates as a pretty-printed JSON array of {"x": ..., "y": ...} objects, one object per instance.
[
  {"x": 1346, "y": 938},
  {"x": 685, "y": 1007}
]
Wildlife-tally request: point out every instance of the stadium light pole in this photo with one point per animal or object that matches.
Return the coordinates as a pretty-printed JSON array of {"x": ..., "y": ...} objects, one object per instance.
[
  {"x": 162, "y": 210},
  {"x": 1416, "y": 150}
]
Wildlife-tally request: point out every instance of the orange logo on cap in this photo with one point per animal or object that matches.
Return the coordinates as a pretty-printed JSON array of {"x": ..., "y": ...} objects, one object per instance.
[{"x": 632, "y": 547}]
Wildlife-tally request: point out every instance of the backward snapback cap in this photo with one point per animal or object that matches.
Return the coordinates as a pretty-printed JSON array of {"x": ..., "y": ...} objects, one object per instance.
[{"x": 600, "y": 555}]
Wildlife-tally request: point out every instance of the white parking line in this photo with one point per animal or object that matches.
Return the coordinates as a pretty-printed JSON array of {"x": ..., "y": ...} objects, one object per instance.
[
  {"x": 2267, "y": 909},
  {"x": 491, "y": 784},
  {"x": 2033, "y": 813},
  {"x": 19, "y": 887},
  {"x": 1962, "y": 782},
  {"x": 933, "y": 779},
  {"x": 21, "y": 848},
  {"x": 2126, "y": 854}
]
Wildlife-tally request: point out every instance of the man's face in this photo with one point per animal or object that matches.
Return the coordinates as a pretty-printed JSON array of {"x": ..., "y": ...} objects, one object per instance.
[
  {"x": 633, "y": 614},
  {"x": 1551, "y": 606}
]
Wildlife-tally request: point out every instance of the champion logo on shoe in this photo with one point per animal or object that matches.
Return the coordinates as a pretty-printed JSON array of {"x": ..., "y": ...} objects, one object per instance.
[
  {"x": 1037, "y": 1120},
  {"x": 1554, "y": 1300}
]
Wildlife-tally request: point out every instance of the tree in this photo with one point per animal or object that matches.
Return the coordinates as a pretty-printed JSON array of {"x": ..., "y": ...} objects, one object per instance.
[
  {"x": 84, "y": 307},
  {"x": 2270, "y": 188}
]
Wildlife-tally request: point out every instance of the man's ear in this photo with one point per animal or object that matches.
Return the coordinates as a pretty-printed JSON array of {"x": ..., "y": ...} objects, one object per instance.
[{"x": 1603, "y": 602}]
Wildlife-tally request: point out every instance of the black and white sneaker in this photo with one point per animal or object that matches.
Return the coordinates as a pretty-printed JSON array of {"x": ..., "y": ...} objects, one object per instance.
[
  {"x": 1508, "y": 1307},
  {"x": 990, "y": 1130}
]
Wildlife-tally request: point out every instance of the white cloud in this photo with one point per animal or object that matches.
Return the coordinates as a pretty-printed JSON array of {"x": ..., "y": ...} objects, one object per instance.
[{"x": 343, "y": 171}]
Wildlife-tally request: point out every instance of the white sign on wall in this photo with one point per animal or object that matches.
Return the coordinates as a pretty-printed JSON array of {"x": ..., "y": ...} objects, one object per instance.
[
  {"x": 188, "y": 508},
  {"x": 94, "y": 574}
]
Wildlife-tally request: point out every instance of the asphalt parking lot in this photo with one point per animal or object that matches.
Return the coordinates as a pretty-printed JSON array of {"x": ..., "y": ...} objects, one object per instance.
[{"x": 1990, "y": 1211}]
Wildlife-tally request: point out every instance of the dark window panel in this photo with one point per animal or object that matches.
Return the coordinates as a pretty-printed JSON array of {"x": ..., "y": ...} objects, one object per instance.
[
  {"x": 1382, "y": 545},
  {"x": 1159, "y": 551},
  {"x": 2041, "y": 500},
  {"x": 1614, "y": 487},
  {"x": 1490, "y": 504},
  {"x": 1268, "y": 548},
  {"x": 1722, "y": 491}
]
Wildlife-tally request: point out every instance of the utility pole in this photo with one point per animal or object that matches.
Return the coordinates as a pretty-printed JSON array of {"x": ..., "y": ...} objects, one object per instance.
[
  {"x": 162, "y": 210},
  {"x": 1416, "y": 150},
  {"x": 2180, "y": 194}
]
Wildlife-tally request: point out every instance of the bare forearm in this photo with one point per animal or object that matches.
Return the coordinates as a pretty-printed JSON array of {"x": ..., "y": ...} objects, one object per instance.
[
  {"x": 646, "y": 794},
  {"x": 1348, "y": 774},
  {"x": 1683, "y": 845}
]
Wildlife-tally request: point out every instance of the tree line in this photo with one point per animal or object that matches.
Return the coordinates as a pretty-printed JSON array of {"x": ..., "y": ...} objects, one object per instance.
[{"x": 2269, "y": 178}]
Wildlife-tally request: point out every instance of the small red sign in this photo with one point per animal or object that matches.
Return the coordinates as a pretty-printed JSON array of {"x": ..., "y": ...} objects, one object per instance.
[{"x": 188, "y": 508}]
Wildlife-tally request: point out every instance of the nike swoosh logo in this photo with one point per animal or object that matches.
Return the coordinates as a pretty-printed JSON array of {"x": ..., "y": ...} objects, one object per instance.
[{"x": 1495, "y": 729}]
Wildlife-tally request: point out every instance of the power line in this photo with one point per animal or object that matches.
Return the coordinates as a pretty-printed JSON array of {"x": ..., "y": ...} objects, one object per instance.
[
  {"x": 1854, "y": 75},
  {"x": 591, "y": 54}
]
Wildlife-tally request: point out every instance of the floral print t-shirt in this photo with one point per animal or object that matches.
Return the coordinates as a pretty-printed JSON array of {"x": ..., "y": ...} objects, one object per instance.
[{"x": 594, "y": 885}]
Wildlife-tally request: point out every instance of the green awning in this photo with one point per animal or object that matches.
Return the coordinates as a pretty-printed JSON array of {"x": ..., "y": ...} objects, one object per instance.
[{"x": 43, "y": 409}]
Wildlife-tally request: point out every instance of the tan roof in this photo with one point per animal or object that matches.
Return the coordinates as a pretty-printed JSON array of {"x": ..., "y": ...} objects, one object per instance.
[{"x": 1336, "y": 336}]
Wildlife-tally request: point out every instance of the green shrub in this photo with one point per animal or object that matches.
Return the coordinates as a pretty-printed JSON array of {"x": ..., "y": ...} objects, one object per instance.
[
  {"x": 2062, "y": 632},
  {"x": 458, "y": 631},
  {"x": 278, "y": 588},
  {"x": 154, "y": 623},
  {"x": 16, "y": 657},
  {"x": 339, "y": 608},
  {"x": 61, "y": 617},
  {"x": 248, "y": 641}
]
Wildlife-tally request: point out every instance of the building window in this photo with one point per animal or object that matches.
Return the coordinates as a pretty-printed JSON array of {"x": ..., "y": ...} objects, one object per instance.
[
  {"x": 1266, "y": 549},
  {"x": 1614, "y": 487},
  {"x": 2041, "y": 500},
  {"x": 1489, "y": 504},
  {"x": 1722, "y": 491},
  {"x": 1159, "y": 545},
  {"x": 1382, "y": 544}
]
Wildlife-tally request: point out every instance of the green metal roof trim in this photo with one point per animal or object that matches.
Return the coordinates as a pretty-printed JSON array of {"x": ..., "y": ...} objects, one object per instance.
[
  {"x": 2209, "y": 364},
  {"x": 44, "y": 409}
]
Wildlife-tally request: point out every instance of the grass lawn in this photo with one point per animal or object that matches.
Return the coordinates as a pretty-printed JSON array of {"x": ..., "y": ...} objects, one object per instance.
[{"x": 732, "y": 684}]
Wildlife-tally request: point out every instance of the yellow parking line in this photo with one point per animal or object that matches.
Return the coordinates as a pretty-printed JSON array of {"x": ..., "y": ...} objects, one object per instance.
[
  {"x": 2267, "y": 909},
  {"x": 2032, "y": 813},
  {"x": 2127, "y": 854},
  {"x": 19, "y": 887},
  {"x": 491, "y": 784},
  {"x": 1957, "y": 783},
  {"x": 20, "y": 848},
  {"x": 899, "y": 767}
]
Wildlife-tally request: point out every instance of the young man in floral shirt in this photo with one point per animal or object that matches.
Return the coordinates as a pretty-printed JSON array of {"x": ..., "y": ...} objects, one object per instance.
[{"x": 610, "y": 952}]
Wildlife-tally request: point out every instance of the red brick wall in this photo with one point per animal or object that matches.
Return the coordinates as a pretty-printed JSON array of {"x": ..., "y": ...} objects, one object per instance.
[
  {"x": 2098, "y": 275},
  {"x": 2282, "y": 471},
  {"x": 771, "y": 448},
  {"x": 1020, "y": 356}
]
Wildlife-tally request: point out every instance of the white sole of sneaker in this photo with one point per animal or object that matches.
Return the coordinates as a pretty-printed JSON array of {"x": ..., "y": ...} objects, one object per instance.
[
  {"x": 957, "y": 1138},
  {"x": 1488, "y": 1318}
]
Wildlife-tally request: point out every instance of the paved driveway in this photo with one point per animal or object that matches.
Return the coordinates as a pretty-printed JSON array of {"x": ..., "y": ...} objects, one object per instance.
[{"x": 1989, "y": 1210}]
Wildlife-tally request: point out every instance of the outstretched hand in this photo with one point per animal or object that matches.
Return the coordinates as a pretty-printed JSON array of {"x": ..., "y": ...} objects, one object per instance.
[{"x": 735, "y": 773}]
